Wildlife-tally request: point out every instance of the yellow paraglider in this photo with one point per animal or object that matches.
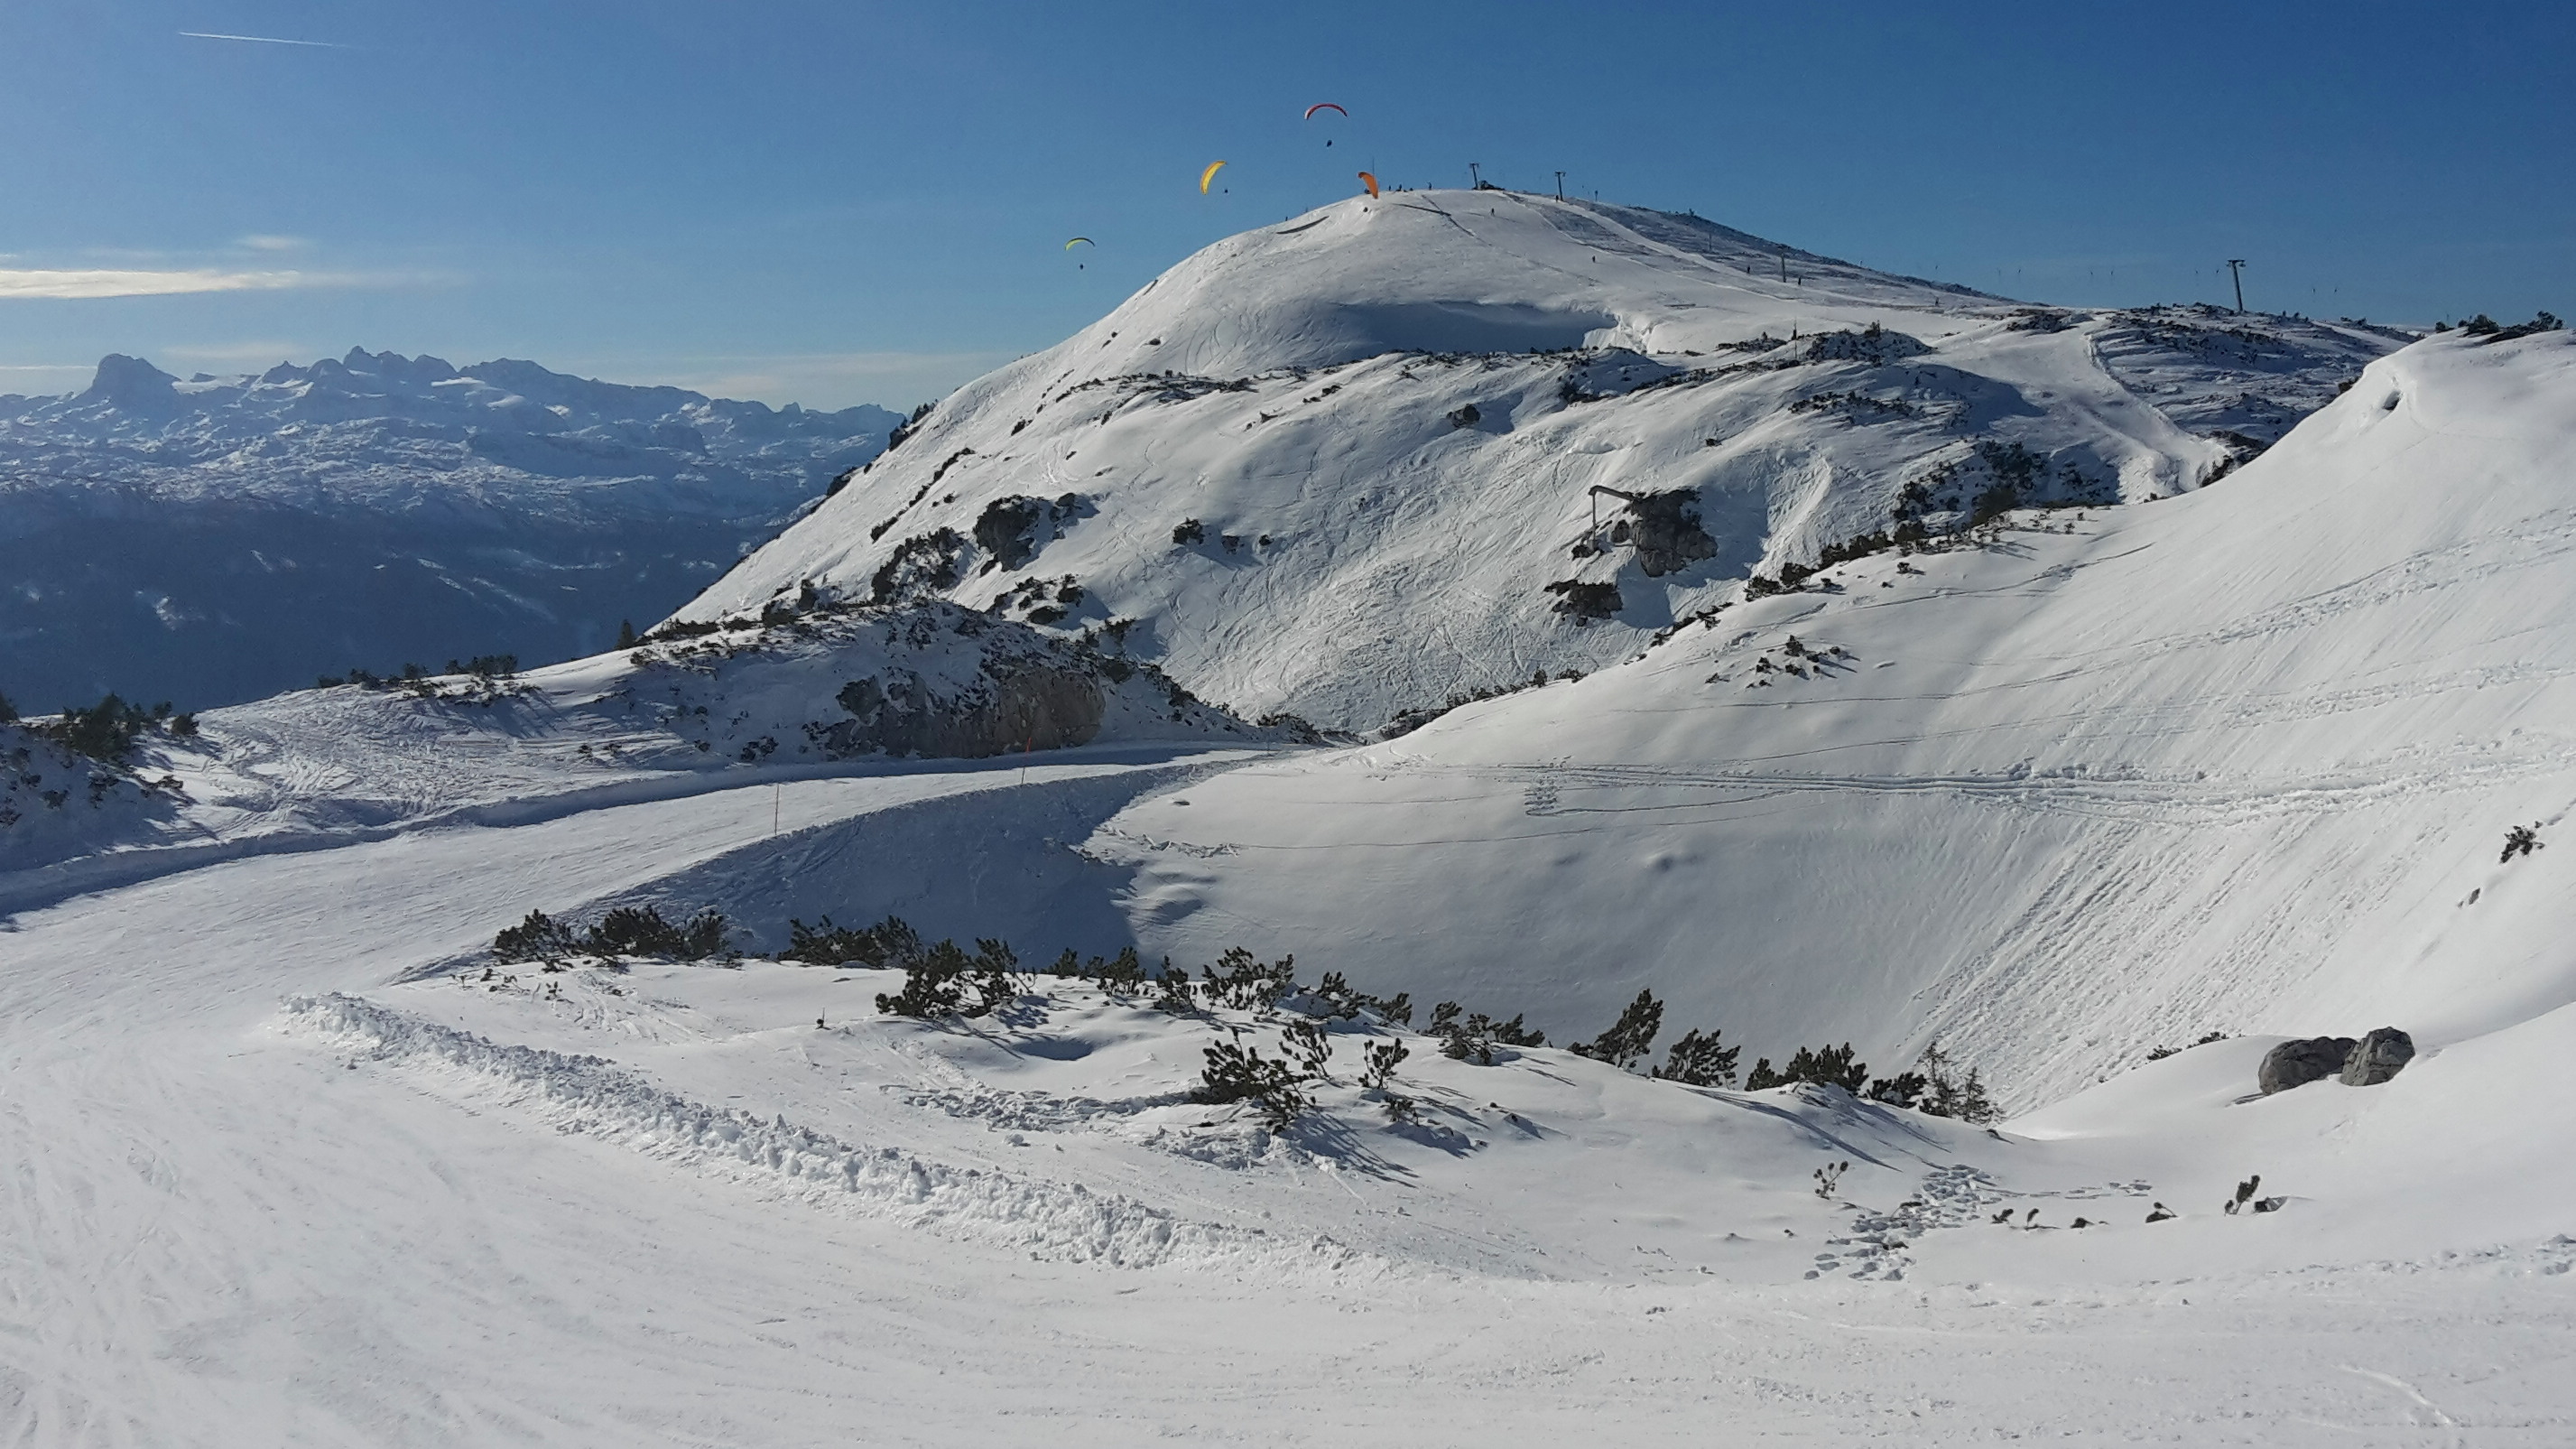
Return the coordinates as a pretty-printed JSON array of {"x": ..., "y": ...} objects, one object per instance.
[
  {"x": 1081, "y": 241},
  {"x": 1209, "y": 175},
  {"x": 1369, "y": 180}
]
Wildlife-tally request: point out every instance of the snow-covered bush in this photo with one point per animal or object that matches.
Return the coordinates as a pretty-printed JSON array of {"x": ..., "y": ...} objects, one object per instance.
[
  {"x": 1473, "y": 1036},
  {"x": 1630, "y": 1037},
  {"x": 1699, "y": 1060},
  {"x": 1831, "y": 1066},
  {"x": 624, "y": 931},
  {"x": 1248, "y": 983},
  {"x": 1382, "y": 1059},
  {"x": 1237, "y": 1073},
  {"x": 942, "y": 980}
]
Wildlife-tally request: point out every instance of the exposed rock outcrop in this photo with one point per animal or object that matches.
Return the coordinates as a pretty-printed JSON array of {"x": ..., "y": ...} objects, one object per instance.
[
  {"x": 2299, "y": 1062},
  {"x": 2377, "y": 1057}
]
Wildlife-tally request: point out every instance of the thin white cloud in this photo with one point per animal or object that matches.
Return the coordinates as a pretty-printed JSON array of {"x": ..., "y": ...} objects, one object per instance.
[
  {"x": 22, "y": 283},
  {"x": 267, "y": 242},
  {"x": 263, "y": 40}
]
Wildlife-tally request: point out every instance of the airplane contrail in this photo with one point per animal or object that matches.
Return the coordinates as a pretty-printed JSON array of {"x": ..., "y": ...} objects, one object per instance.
[{"x": 263, "y": 39}]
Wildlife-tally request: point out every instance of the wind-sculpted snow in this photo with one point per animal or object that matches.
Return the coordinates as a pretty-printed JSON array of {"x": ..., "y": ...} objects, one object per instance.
[
  {"x": 1392, "y": 453},
  {"x": 214, "y": 540},
  {"x": 592, "y": 1097}
]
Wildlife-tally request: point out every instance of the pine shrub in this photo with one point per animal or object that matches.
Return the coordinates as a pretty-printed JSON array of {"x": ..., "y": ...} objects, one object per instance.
[
  {"x": 1630, "y": 1037},
  {"x": 1237, "y": 1073},
  {"x": 1699, "y": 1060}
]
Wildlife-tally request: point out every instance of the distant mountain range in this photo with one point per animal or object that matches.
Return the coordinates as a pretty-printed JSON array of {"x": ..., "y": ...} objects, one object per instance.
[{"x": 212, "y": 540}]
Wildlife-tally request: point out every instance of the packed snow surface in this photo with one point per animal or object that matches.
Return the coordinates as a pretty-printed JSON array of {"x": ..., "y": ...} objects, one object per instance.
[
  {"x": 218, "y": 539},
  {"x": 1399, "y": 450}
]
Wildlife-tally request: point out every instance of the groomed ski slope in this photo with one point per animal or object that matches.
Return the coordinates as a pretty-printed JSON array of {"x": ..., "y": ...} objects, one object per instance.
[
  {"x": 1386, "y": 418},
  {"x": 2239, "y": 761},
  {"x": 277, "y": 1186}
]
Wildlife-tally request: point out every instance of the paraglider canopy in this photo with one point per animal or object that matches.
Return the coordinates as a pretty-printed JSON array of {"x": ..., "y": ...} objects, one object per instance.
[
  {"x": 1080, "y": 241},
  {"x": 1209, "y": 175},
  {"x": 1323, "y": 106},
  {"x": 1369, "y": 180}
]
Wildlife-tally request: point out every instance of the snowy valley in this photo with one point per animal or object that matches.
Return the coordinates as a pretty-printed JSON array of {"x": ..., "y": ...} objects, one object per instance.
[{"x": 1256, "y": 878}]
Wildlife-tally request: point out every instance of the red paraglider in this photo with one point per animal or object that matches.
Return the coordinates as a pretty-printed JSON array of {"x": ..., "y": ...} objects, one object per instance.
[{"x": 1323, "y": 106}]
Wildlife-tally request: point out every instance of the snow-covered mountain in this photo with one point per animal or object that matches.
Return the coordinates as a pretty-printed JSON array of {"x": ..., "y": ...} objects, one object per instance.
[
  {"x": 217, "y": 539},
  {"x": 2055, "y": 793},
  {"x": 2112, "y": 800},
  {"x": 1401, "y": 450}
]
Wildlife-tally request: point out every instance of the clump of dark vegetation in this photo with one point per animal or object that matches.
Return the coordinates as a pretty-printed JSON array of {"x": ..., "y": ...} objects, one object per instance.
[
  {"x": 1630, "y": 1037},
  {"x": 486, "y": 677},
  {"x": 1586, "y": 601},
  {"x": 108, "y": 730},
  {"x": 2483, "y": 326},
  {"x": 1699, "y": 1059},
  {"x": 941, "y": 980},
  {"x": 2158, "y": 1054},
  {"x": 624, "y": 931},
  {"x": 888, "y": 942},
  {"x": 1339, "y": 1002},
  {"x": 1238, "y": 1073},
  {"x": 1406, "y": 721},
  {"x": 1827, "y": 1066},
  {"x": 2520, "y": 840},
  {"x": 1934, "y": 1089},
  {"x": 923, "y": 564},
  {"x": 1472, "y": 1037},
  {"x": 1247, "y": 983}
]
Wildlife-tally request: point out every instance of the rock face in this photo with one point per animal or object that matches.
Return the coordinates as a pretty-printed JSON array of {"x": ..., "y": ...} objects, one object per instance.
[
  {"x": 2364, "y": 1063},
  {"x": 2377, "y": 1057},
  {"x": 2297, "y": 1063}
]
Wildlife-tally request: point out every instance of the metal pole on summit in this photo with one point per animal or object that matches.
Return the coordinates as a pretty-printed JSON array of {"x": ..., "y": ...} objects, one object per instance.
[
  {"x": 1560, "y": 186},
  {"x": 2236, "y": 270},
  {"x": 1475, "y": 176}
]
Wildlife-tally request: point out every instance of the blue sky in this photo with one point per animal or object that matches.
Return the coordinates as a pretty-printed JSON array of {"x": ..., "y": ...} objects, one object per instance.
[{"x": 834, "y": 203}]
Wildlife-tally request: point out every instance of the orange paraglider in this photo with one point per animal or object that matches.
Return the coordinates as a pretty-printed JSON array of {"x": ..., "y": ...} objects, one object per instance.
[
  {"x": 1369, "y": 180},
  {"x": 1209, "y": 175}
]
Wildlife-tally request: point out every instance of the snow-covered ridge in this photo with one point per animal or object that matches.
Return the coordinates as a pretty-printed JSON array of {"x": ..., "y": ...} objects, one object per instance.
[
  {"x": 2091, "y": 783},
  {"x": 217, "y": 539},
  {"x": 1401, "y": 450},
  {"x": 845, "y": 692}
]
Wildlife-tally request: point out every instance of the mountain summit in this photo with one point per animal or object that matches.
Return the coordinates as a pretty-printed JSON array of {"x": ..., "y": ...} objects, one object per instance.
[{"x": 1403, "y": 450}]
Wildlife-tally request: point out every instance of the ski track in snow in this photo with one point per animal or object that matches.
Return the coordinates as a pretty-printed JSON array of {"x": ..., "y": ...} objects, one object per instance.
[{"x": 593, "y": 1097}]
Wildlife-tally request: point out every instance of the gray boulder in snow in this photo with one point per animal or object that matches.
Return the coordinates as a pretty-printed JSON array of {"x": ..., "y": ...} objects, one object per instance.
[
  {"x": 2377, "y": 1057},
  {"x": 2299, "y": 1062}
]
